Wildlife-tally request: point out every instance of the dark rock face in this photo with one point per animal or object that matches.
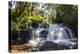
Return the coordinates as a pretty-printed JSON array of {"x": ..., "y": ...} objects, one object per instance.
[
  {"x": 52, "y": 46},
  {"x": 43, "y": 34},
  {"x": 44, "y": 26},
  {"x": 23, "y": 34},
  {"x": 14, "y": 35}
]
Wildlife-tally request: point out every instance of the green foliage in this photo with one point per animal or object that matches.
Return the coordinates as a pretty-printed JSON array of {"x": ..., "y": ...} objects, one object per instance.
[
  {"x": 25, "y": 14},
  {"x": 22, "y": 18},
  {"x": 68, "y": 14}
]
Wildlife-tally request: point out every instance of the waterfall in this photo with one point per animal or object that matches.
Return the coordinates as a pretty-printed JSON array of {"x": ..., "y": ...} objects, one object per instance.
[
  {"x": 70, "y": 32},
  {"x": 57, "y": 33}
]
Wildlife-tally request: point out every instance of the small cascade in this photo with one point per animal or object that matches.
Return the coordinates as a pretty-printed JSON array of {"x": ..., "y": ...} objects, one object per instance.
[
  {"x": 57, "y": 33},
  {"x": 69, "y": 32},
  {"x": 19, "y": 38}
]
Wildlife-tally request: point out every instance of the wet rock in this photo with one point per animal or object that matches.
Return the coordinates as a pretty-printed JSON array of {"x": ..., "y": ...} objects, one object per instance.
[{"x": 52, "y": 46}]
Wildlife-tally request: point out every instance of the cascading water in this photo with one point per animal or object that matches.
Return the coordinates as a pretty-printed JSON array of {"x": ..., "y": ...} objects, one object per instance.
[
  {"x": 60, "y": 35},
  {"x": 19, "y": 38},
  {"x": 56, "y": 33}
]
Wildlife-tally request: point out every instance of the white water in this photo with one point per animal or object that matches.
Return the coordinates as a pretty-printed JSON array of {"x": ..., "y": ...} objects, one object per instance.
[
  {"x": 56, "y": 34},
  {"x": 59, "y": 35}
]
